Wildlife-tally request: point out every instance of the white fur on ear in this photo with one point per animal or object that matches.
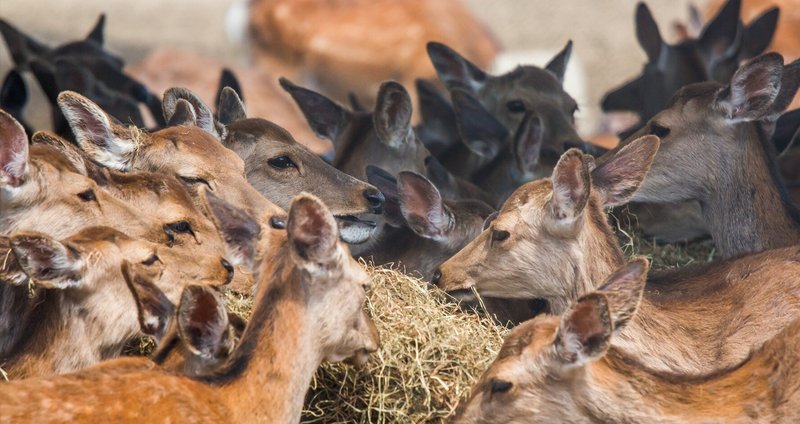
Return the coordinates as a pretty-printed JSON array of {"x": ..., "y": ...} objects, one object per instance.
[
  {"x": 13, "y": 151},
  {"x": 95, "y": 133},
  {"x": 48, "y": 262}
]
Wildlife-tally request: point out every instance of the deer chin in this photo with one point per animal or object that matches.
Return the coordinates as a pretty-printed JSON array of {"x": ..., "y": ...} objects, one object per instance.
[{"x": 353, "y": 230}]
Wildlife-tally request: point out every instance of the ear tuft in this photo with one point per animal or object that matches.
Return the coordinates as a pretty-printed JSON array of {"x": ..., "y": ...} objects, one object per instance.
[
  {"x": 585, "y": 331},
  {"x": 202, "y": 320},
  {"x": 558, "y": 64},
  {"x": 623, "y": 290},
  {"x": 312, "y": 230},
  {"x": 483, "y": 134},
  {"x": 49, "y": 262},
  {"x": 422, "y": 206},
  {"x": 392, "y": 117},
  {"x": 154, "y": 309},
  {"x": 205, "y": 119},
  {"x": 618, "y": 178},
  {"x": 13, "y": 151},
  {"x": 239, "y": 230},
  {"x": 571, "y": 185}
]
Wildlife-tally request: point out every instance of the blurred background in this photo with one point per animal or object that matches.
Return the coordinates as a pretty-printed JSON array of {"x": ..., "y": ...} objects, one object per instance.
[{"x": 186, "y": 42}]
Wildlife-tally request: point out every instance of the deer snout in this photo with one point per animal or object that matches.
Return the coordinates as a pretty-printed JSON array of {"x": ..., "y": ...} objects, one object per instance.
[
  {"x": 375, "y": 199},
  {"x": 229, "y": 268}
]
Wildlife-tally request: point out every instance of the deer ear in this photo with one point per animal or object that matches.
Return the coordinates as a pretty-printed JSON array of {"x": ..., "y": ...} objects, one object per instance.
[
  {"x": 95, "y": 133},
  {"x": 435, "y": 109},
  {"x": 618, "y": 178},
  {"x": 202, "y": 320},
  {"x": 72, "y": 153},
  {"x": 753, "y": 89},
  {"x": 387, "y": 184},
  {"x": 787, "y": 131},
  {"x": 50, "y": 263},
  {"x": 238, "y": 229},
  {"x": 97, "y": 33},
  {"x": 623, "y": 290},
  {"x": 528, "y": 142},
  {"x": 392, "y": 117},
  {"x": 479, "y": 130},
  {"x": 585, "y": 331},
  {"x": 790, "y": 81},
  {"x": 153, "y": 307},
  {"x": 205, "y": 119},
  {"x": 558, "y": 64},
  {"x": 230, "y": 107},
  {"x": 22, "y": 47},
  {"x": 325, "y": 117},
  {"x": 10, "y": 270},
  {"x": 723, "y": 33},
  {"x": 453, "y": 69},
  {"x": 571, "y": 185},
  {"x": 627, "y": 97},
  {"x": 14, "y": 94},
  {"x": 312, "y": 231},
  {"x": 228, "y": 79},
  {"x": 422, "y": 206},
  {"x": 647, "y": 32},
  {"x": 13, "y": 151},
  {"x": 758, "y": 35},
  {"x": 182, "y": 115}
]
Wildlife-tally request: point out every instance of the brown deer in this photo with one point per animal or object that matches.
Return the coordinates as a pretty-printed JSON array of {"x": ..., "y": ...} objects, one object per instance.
[
  {"x": 82, "y": 314},
  {"x": 551, "y": 240},
  {"x": 567, "y": 369},
  {"x": 308, "y": 310},
  {"x": 717, "y": 150}
]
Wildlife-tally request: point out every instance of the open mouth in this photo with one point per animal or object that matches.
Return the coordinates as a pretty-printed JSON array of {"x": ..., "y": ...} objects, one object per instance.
[{"x": 353, "y": 230}]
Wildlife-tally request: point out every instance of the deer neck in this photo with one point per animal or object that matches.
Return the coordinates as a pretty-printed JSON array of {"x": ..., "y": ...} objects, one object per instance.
[
  {"x": 747, "y": 210},
  {"x": 269, "y": 374},
  {"x": 599, "y": 248}
]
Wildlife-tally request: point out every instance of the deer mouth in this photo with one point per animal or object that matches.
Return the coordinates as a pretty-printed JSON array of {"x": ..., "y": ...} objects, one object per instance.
[{"x": 353, "y": 230}]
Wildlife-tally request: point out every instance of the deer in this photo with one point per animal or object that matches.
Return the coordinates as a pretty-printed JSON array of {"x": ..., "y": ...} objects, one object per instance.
[
  {"x": 566, "y": 368},
  {"x": 308, "y": 310},
  {"x": 279, "y": 167},
  {"x": 552, "y": 241},
  {"x": 744, "y": 202},
  {"x": 83, "y": 315}
]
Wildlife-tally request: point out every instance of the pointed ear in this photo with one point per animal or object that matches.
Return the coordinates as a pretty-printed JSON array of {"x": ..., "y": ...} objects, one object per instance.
[
  {"x": 392, "y": 117},
  {"x": 97, "y": 33},
  {"x": 95, "y": 132},
  {"x": 623, "y": 290},
  {"x": 154, "y": 309},
  {"x": 479, "y": 130},
  {"x": 647, "y": 32},
  {"x": 453, "y": 69},
  {"x": 753, "y": 89},
  {"x": 10, "y": 270},
  {"x": 22, "y": 47},
  {"x": 618, "y": 178},
  {"x": 571, "y": 185},
  {"x": 387, "y": 184},
  {"x": 787, "y": 130},
  {"x": 230, "y": 107},
  {"x": 312, "y": 231},
  {"x": 202, "y": 320},
  {"x": 13, "y": 151},
  {"x": 758, "y": 35},
  {"x": 627, "y": 97},
  {"x": 435, "y": 109},
  {"x": 528, "y": 142},
  {"x": 239, "y": 230},
  {"x": 205, "y": 119},
  {"x": 14, "y": 93},
  {"x": 723, "y": 32},
  {"x": 790, "y": 80},
  {"x": 422, "y": 206},
  {"x": 558, "y": 64},
  {"x": 326, "y": 118},
  {"x": 48, "y": 262},
  {"x": 182, "y": 115},
  {"x": 72, "y": 153},
  {"x": 585, "y": 331},
  {"x": 228, "y": 79}
]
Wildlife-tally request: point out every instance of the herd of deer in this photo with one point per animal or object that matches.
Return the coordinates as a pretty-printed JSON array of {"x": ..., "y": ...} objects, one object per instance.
[{"x": 109, "y": 231}]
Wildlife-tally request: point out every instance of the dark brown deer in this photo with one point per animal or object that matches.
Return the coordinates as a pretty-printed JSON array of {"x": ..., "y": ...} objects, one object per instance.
[
  {"x": 567, "y": 369},
  {"x": 551, "y": 240},
  {"x": 308, "y": 310}
]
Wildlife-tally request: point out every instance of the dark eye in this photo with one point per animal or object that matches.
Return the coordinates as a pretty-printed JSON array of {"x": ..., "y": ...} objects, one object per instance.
[
  {"x": 659, "y": 131},
  {"x": 194, "y": 180},
  {"x": 489, "y": 219},
  {"x": 515, "y": 106},
  {"x": 182, "y": 227},
  {"x": 500, "y": 386},
  {"x": 278, "y": 222},
  {"x": 151, "y": 260},
  {"x": 499, "y": 235},
  {"x": 87, "y": 196},
  {"x": 281, "y": 162}
]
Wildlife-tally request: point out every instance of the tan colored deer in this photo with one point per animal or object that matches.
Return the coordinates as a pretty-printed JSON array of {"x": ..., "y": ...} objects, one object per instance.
[
  {"x": 717, "y": 150},
  {"x": 83, "y": 314},
  {"x": 567, "y": 369},
  {"x": 551, "y": 240},
  {"x": 308, "y": 309}
]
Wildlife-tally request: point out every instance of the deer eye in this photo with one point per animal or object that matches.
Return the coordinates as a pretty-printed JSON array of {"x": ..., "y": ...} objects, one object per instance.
[
  {"x": 659, "y": 131},
  {"x": 281, "y": 162},
  {"x": 151, "y": 260},
  {"x": 499, "y": 235},
  {"x": 182, "y": 227},
  {"x": 194, "y": 180},
  {"x": 515, "y": 106},
  {"x": 87, "y": 196},
  {"x": 500, "y": 386}
]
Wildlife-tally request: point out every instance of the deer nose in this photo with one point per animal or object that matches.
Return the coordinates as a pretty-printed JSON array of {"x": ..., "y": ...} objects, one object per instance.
[
  {"x": 437, "y": 276},
  {"x": 375, "y": 199},
  {"x": 228, "y": 267}
]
